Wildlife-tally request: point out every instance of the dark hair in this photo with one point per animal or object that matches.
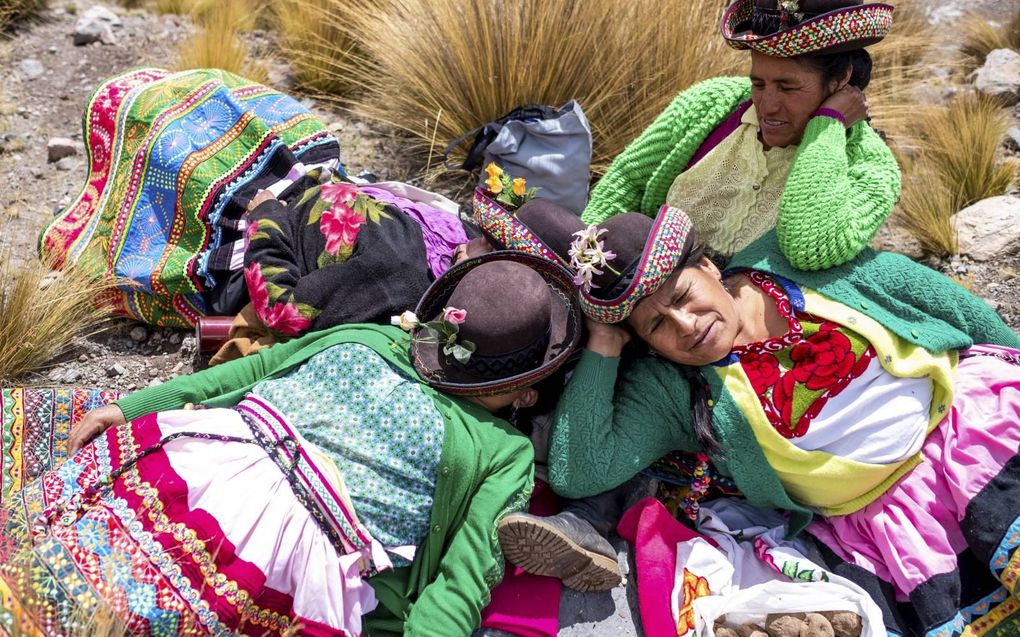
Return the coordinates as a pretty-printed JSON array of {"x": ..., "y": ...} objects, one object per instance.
[{"x": 833, "y": 66}]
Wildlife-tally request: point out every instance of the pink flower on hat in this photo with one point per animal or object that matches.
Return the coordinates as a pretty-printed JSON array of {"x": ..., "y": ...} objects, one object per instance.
[{"x": 454, "y": 316}]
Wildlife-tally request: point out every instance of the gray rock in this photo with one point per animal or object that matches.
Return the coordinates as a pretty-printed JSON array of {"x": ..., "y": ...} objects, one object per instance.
[
  {"x": 31, "y": 69},
  {"x": 989, "y": 229},
  {"x": 1013, "y": 135},
  {"x": 175, "y": 339},
  {"x": 154, "y": 382},
  {"x": 139, "y": 334},
  {"x": 153, "y": 372},
  {"x": 60, "y": 147},
  {"x": 71, "y": 376},
  {"x": 96, "y": 25},
  {"x": 67, "y": 164},
  {"x": 116, "y": 370},
  {"x": 1000, "y": 76},
  {"x": 84, "y": 358},
  {"x": 56, "y": 374}
]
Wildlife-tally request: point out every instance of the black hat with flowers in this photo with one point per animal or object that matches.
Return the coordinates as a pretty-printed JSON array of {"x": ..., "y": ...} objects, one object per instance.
[
  {"x": 788, "y": 28},
  {"x": 539, "y": 227},
  {"x": 496, "y": 323}
]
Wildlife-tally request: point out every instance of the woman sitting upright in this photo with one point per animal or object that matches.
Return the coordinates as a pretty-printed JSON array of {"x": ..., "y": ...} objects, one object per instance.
[{"x": 789, "y": 148}]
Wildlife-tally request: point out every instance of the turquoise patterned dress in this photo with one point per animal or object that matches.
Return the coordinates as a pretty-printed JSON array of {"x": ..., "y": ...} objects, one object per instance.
[{"x": 384, "y": 434}]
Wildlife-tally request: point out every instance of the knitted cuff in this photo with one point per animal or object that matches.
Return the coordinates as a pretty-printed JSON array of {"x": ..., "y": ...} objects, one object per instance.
[{"x": 829, "y": 112}]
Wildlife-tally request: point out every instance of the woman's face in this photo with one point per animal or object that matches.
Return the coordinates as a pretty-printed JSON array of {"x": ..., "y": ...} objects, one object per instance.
[
  {"x": 691, "y": 319},
  {"x": 785, "y": 92},
  {"x": 473, "y": 248}
]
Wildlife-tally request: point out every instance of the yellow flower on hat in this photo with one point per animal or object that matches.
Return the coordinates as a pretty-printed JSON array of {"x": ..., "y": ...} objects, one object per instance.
[
  {"x": 494, "y": 181},
  {"x": 519, "y": 187}
]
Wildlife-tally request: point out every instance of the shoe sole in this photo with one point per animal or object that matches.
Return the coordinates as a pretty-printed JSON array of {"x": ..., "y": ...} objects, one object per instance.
[{"x": 541, "y": 549}]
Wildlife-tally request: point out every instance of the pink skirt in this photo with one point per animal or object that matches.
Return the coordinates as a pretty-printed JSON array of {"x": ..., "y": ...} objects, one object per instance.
[{"x": 914, "y": 534}]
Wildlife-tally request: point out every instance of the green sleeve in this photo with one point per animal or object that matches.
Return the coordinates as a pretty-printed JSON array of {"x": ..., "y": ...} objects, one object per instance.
[
  {"x": 840, "y": 189},
  {"x": 222, "y": 385},
  {"x": 599, "y": 440},
  {"x": 472, "y": 562},
  {"x": 639, "y": 178}
]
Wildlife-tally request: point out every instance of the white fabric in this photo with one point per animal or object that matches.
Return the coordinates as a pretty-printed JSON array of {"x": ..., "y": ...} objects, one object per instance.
[
  {"x": 752, "y": 543},
  {"x": 413, "y": 193},
  {"x": 250, "y": 498},
  {"x": 878, "y": 418}
]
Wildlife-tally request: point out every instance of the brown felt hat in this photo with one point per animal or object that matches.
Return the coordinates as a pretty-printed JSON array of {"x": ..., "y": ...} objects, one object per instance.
[
  {"x": 521, "y": 314},
  {"x": 789, "y": 28},
  {"x": 539, "y": 227}
]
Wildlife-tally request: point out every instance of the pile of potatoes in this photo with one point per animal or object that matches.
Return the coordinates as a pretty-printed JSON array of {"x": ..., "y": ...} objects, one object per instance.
[{"x": 823, "y": 624}]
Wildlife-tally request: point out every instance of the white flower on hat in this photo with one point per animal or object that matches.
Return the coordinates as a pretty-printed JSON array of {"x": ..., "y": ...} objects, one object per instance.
[
  {"x": 407, "y": 320},
  {"x": 587, "y": 254}
]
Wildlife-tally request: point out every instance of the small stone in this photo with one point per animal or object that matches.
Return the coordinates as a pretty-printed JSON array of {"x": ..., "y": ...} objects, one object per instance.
[
  {"x": 725, "y": 631},
  {"x": 139, "y": 334},
  {"x": 175, "y": 339},
  {"x": 60, "y": 147},
  {"x": 56, "y": 374},
  {"x": 66, "y": 164},
  {"x": 116, "y": 370},
  {"x": 96, "y": 25},
  {"x": 178, "y": 367},
  {"x": 784, "y": 624},
  {"x": 131, "y": 387},
  {"x": 153, "y": 372},
  {"x": 84, "y": 358},
  {"x": 154, "y": 382},
  {"x": 71, "y": 376},
  {"x": 52, "y": 50},
  {"x": 1000, "y": 76},
  {"x": 844, "y": 623},
  {"x": 989, "y": 229},
  {"x": 1013, "y": 135},
  {"x": 31, "y": 69},
  {"x": 751, "y": 630},
  {"x": 816, "y": 625}
]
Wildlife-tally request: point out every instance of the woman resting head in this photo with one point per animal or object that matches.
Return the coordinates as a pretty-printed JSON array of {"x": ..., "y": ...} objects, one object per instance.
[
  {"x": 878, "y": 403},
  {"x": 312, "y": 472},
  {"x": 788, "y": 147}
]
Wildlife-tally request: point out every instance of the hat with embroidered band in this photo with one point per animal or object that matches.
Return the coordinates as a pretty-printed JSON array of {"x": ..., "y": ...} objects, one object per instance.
[
  {"x": 788, "y": 28},
  {"x": 636, "y": 255},
  {"x": 539, "y": 227},
  {"x": 496, "y": 323}
]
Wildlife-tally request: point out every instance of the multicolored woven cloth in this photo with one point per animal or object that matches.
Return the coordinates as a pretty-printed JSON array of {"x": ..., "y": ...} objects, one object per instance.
[
  {"x": 173, "y": 160},
  {"x": 34, "y": 426}
]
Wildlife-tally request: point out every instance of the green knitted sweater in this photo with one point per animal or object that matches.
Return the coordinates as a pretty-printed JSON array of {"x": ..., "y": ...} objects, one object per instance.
[
  {"x": 841, "y": 186},
  {"x": 600, "y": 440}
]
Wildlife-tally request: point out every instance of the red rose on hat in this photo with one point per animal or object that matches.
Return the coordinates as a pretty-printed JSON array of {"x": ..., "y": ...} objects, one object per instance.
[{"x": 821, "y": 359}]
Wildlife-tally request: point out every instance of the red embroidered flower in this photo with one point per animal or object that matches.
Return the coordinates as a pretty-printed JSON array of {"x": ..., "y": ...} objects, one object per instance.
[
  {"x": 340, "y": 225},
  {"x": 252, "y": 229},
  {"x": 338, "y": 193},
  {"x": 256, "y": 287},
  {"x": 822, "y": 359},
  {"x": 782, "y": 400},
  {"x": 761, "y": 369},
  {"x": 285, "y": 318}
]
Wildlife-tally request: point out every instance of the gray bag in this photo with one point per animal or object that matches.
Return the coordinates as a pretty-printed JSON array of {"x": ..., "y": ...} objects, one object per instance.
[{"x": 549, "y": 147}]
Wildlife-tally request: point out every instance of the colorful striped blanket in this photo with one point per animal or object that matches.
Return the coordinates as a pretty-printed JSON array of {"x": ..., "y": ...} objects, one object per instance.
[{"x": 173, "y": 160}]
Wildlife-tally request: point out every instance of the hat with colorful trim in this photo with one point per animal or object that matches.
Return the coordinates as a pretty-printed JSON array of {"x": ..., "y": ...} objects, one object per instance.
[
  {"x": 646, "y": 253},
  {"x": 496, "y": 323},
  {"x": 539, "y": 227},
  {"x": 788, "y": 28}
]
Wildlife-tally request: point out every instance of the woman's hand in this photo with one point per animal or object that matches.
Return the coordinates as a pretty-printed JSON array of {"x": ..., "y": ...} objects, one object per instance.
[
  {"x": 260, "y": 198},
  {"x": 851, "y": 102},
  {"x": 604, "y": 339},
  {"x": 92, "y": 424}
]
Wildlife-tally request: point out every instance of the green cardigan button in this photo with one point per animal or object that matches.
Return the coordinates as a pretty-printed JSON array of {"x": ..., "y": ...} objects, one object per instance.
[
  {"x": 445, "y": 471},
  {"x": 915, "y": 333},
  {"x": 437, "y": 529},
  {"x": 864, "y": 305}
]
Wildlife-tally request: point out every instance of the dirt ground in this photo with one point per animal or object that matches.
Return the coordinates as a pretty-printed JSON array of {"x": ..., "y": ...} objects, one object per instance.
[{"x": 127, "y": 355}]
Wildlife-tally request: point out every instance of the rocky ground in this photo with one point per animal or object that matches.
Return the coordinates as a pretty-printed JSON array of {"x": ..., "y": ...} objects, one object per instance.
[{"x": 47, "y": 79}]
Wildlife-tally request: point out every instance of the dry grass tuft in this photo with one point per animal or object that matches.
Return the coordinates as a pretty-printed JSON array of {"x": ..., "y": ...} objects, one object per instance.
[
  {"x": 41, "y": 312},
  {"x": 981, "y": 37},
  {"x": 13, "y": 11},
  {"x": 319, "y": 40},
  {"x": 219, "y": 43},
  {"x": 179, "y": 7},
  {"x": 442, "y": 67},
  {"x": 941, "y": 179}
]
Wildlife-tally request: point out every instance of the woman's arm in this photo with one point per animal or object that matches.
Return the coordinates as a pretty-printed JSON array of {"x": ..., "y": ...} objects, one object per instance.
[
  {"x": 599, "y": 440},
  {"x": 840, "y": 189},
  {"x": 472, "y": 562}
]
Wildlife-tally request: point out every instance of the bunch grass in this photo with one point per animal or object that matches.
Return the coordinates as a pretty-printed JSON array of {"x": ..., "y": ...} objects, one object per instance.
[
  {"x": 436, "y": 69},
  {"x": 14, "y": 11},
  {"x": 321, "y": 43},
  {"x": 981, "y": 37},
  {"x": 41, "y": 314},
  {"x": 957, "y": 163},
  {"x": 220, "y": 43}
]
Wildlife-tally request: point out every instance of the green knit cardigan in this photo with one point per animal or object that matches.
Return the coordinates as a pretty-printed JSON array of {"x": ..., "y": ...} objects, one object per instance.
[
  {"x": 600, "y": 440},
  {"x": 841, "y": 186},
  {"x": 486, "y": 472}
]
